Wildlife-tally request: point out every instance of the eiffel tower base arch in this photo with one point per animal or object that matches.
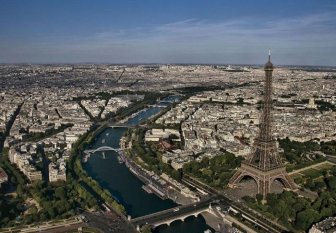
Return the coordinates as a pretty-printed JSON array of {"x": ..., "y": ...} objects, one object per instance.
[{"x": 263, "y": 178}]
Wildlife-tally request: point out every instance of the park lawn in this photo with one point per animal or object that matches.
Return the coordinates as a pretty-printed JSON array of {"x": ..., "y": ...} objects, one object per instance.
[
  {"x": 315, "y": 174},
  {"x": 325, "y": 166},
  {"x": 319, "y": 179},
  {"x": 312, "y": 173}
]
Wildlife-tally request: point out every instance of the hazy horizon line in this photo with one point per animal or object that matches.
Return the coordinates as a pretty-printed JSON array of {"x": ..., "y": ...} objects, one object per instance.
[{"x": 154, "y": 63}]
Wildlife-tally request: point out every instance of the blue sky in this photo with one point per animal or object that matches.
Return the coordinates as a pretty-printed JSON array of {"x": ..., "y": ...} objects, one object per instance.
[{"x": 299, "y": 32}]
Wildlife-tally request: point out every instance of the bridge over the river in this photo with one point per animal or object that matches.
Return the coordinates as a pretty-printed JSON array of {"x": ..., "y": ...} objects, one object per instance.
[
  {"x": 178, "y": 213},
  {"x": 121, "y": 125},
  {"x": 102, "y": 148},
  {"x": 168, "y": 101},
  {"x": 157, "y": 105},
  {"x": 114, "y": 125}
]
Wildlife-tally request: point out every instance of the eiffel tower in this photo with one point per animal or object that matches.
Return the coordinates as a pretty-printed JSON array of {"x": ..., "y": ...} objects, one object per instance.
[{"x": 264, "y": 164}]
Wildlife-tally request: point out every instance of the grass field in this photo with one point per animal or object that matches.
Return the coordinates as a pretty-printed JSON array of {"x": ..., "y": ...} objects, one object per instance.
[{"x": 312, "y": 173}]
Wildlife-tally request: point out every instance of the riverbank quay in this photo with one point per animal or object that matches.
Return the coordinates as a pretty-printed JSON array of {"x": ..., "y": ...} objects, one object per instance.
[
  {"x": 154, "y": 183},
  {"x": 174, "y": 190},
  {"x": 124, "y": 120}
]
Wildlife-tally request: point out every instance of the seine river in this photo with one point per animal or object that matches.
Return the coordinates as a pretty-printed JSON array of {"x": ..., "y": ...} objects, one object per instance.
[{"x": 126, "y": 188}]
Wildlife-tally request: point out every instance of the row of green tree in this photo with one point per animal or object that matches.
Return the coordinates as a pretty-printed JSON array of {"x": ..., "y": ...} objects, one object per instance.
[
  {"x": 94, "y": 188},
  {"x": 11, "y": 206},
  {"x": 295, "y": 152},
  {"x": 216, "y": 171},
  {"x": 55, "y": 200},
  {"x": 58, "y": 200},
  {"x": 76, "y": 172}
]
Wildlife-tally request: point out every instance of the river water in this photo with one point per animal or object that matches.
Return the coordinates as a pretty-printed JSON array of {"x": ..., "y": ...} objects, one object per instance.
[{"x": 127, "y": 188}]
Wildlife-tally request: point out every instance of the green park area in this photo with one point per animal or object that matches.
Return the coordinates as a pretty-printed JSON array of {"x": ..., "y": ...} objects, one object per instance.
[
  {"x": 216, "y": 171},
  {"x": 297, "y": 212},
  {"x": 40, "y": 201},
  {"x": 300, "y": 154},
  {"x": 318, "y": 176},
  {"x": 314, "y": 173}
]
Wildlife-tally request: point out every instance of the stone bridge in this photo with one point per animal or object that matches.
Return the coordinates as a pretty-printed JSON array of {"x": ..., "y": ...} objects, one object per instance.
[{"x": 174, "y": 214}]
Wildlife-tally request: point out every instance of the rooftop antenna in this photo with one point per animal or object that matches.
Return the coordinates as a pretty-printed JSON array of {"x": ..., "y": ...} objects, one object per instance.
[{"x": 269, "y": 55}]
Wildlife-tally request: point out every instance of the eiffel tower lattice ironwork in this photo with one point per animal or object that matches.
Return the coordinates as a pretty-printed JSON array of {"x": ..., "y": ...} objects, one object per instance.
[{"x": 264, "y": 164}]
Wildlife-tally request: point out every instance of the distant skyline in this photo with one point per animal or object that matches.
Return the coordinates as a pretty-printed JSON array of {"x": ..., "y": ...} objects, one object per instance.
[{"x": 299, "y": 32}]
